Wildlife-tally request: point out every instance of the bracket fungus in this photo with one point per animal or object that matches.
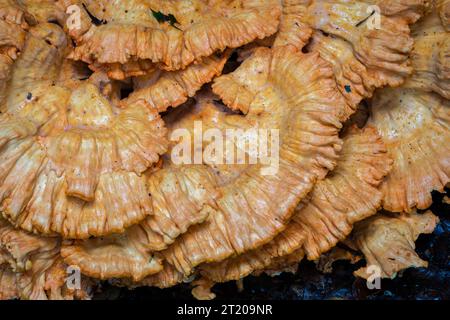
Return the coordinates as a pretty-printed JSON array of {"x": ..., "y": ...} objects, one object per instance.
[
  {"x": 172, "y": 33},
  {"x": 387, "y": 241},
  {"x": 414, "y": 122},
  {"x": 308, "y": 121},
  {"x": 178, "y": 195},
  {"x": 161, "y": 142},
  {"x": 430, "y": 57},
  {"x": 67, "y": 151},
  {"x": 347, "y": 195},
  {"x": 33, "y": 268},
  {"x": 163, "y": 89},
  {"x": 367, "y": 42},
  {"x": 415, "y": 128}
]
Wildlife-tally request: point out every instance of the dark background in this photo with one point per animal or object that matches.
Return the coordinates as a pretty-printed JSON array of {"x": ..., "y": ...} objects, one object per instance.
[{"x": 432, "y": 283}]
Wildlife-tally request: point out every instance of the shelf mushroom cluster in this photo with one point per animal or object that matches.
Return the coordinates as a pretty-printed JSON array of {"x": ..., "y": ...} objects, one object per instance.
[{"x": 92, "y": 94}]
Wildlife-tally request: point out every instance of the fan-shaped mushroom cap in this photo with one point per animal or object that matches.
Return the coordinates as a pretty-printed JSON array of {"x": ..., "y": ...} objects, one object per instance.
[
  {"x": 18, "y": 247},
  {"x": 415, "y": 127},
  {"x": 114, "y": 256},
  {"x": 172, "y": 33},
  {"x": 91, "y": 155},
  {"x": 146, "y": 75},
  {"x": 387, "y": 242},
  {"x": 33, "y": 268},
  {"x": 295, "y": 94},
  {"x": 431, "y": 54},
  {"x": 57, "y": 285},
  {"x": 66, "y": 152},
  {"x": 101, "y": 139},
  {"x": 46, "y": 280},
  {"x": 162, "y": 89},
  {"x": 73, "y": 144},
  {"x": 178, "y": 195},
  {"x": 364, "y": 55},
  {"x": 347, "y": 195}
]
